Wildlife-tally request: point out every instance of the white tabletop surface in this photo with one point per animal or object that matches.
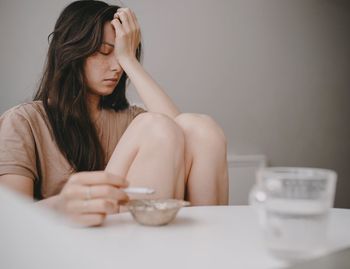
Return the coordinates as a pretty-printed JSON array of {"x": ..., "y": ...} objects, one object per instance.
[{"x": 200, "y": 237}]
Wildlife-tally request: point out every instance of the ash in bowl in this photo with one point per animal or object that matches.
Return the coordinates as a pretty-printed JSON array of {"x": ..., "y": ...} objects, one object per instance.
[{"x": 155, "y": 212}]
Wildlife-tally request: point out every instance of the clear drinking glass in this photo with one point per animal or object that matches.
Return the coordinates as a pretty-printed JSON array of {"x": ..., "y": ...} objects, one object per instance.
[{"x": 293, "y": 206}]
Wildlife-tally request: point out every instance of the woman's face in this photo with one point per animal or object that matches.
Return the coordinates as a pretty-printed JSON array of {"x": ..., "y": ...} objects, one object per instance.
[{"x": 102, "y": 70}]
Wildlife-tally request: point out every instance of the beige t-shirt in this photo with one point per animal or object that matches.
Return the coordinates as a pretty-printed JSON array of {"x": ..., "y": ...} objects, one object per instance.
[{"x": 28, "y": 148}]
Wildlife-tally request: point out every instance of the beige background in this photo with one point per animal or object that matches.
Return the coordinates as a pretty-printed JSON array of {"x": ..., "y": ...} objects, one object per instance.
[{"x": 274, "y": 73}]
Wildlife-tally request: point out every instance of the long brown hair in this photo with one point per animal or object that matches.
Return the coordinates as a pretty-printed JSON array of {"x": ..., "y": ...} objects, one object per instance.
[{"x": 78, "y": 33}]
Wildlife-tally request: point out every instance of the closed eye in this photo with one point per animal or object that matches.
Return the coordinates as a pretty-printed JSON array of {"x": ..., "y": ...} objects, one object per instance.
[{"x": 106, "y": 49}]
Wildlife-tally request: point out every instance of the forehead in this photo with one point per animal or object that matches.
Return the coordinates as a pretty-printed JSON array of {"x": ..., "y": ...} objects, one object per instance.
[{"x": 108, "y": 33}]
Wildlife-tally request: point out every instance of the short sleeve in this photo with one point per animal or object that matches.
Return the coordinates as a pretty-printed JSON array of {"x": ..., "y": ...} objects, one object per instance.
[
  {"x": 17, "y": 146},
  {"x": 135, "y": 110}
]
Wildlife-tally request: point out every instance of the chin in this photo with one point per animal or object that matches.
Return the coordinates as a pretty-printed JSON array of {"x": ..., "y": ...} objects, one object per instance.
[{"x": 106, "y": 91}]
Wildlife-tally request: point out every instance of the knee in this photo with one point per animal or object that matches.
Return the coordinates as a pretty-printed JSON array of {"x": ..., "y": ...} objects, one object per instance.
[
  {"x": 160, "y": 129},
  {"x": 202, "y": 128}
]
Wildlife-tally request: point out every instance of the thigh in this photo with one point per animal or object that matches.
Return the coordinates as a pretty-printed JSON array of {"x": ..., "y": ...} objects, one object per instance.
[
  {"x": 151, "y": 154},
  {"x": 200, "y": 132}
]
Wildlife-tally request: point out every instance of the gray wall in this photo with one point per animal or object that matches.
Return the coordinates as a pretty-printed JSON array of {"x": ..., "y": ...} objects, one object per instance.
[{"x": 274, "y": 73}]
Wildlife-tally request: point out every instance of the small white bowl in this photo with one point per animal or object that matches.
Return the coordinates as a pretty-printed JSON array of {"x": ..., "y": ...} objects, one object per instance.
[{"x": 155, "y": 212}]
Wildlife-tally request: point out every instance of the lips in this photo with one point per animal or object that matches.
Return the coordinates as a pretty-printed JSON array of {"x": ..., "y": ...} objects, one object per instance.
[{"x": 111, "y": 79}]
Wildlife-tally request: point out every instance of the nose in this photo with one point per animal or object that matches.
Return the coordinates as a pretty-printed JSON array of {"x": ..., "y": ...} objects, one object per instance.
[{"x": 114, "y": 64}]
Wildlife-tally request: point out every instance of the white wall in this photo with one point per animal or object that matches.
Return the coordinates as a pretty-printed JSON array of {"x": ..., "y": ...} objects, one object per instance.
[{"x": 274, "y": 73}]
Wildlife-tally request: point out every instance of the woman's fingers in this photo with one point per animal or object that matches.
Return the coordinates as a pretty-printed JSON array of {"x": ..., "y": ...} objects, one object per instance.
[
  {"x": 131, "y": 19},
  {"x": 119, "y": 30},
  {"x": 124, "y": 18},
  {"x": 136, "y": 27},
  {"x": 125, "y": 23},
  {"x": 98, "y": 178},
  {"x": 95, "y": 206},
  {"x": 130, "y": 16},
  {"x": 84, "y": 192},
  {"x": 132, "y": 13},
  {"x": 88, "y": 220},
  {"x": 130, "y": 26}
]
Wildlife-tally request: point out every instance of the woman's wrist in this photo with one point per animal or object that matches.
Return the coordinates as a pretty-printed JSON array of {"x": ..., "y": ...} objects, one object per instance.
[
  {"x": 51, "y": 202},
  {"x": 128, "y": 62}
]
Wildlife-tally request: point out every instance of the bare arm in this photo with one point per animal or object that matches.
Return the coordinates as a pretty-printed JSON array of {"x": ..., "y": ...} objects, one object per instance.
[
  {"x": 24, "y": 185},
  {"x": 20, "y": 184},
  {"x": 153, "y": 96}
]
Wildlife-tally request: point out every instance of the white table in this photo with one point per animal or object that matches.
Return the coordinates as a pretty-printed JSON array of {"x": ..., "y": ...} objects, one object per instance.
[{"x": 200, "y": 237}]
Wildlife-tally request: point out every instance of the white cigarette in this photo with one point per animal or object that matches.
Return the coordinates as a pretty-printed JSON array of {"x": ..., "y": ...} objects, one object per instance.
[{"x": 140, "y": 190}]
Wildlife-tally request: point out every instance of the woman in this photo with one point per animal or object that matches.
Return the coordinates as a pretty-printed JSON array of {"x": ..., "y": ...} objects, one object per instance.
[{"x": 79, "y": 143}]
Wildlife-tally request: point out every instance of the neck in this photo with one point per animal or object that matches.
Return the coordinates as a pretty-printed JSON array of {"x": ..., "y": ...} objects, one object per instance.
[{"x": 93, "y": 102}]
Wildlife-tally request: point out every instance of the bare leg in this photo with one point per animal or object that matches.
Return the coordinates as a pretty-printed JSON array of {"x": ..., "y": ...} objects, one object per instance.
[
  {"x": 151, "y": 154},
  {"x": 206, "y": 162}
]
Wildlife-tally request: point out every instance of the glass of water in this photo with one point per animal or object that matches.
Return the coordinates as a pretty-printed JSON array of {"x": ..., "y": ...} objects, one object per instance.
[{"x": 293, "y": 206}]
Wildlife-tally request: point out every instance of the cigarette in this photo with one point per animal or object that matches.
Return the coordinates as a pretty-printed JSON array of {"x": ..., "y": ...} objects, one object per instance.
[{"x": 140, "y": 190}]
